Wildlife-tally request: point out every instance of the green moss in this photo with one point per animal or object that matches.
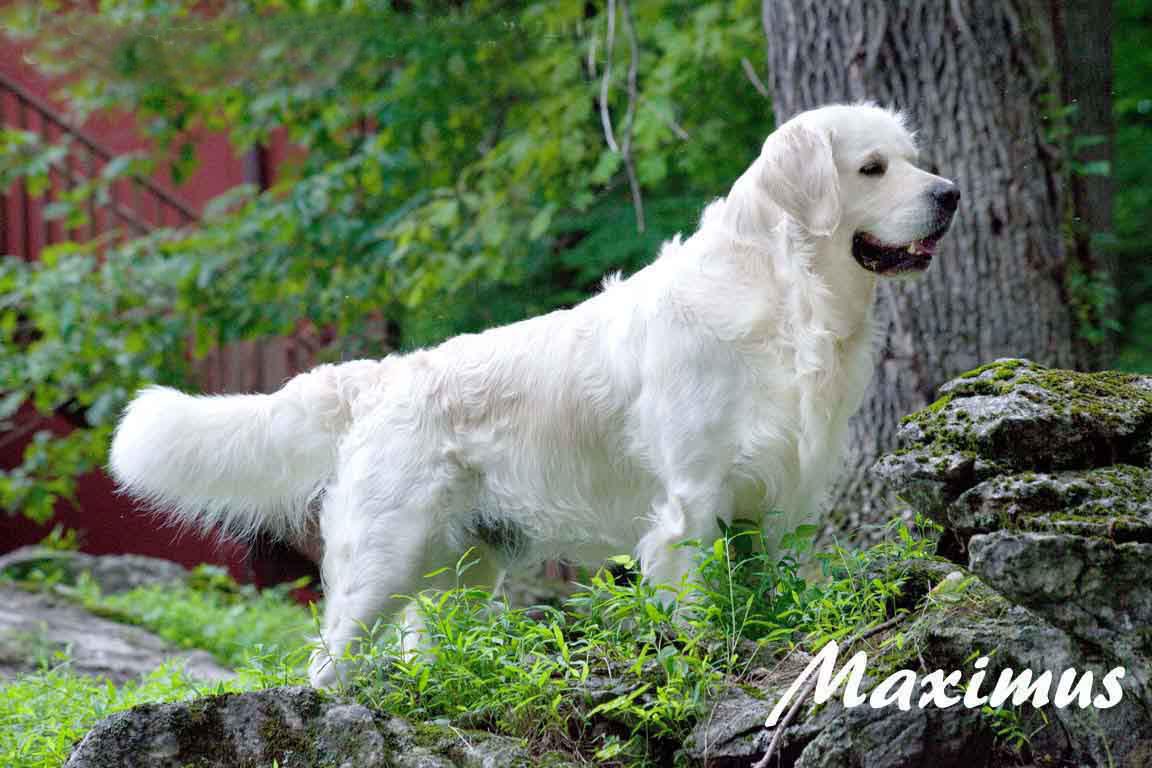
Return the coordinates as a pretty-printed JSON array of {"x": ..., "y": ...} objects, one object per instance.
[
  {"x": 281, "y": 741},
  {"x": 939, "y": 405},
  {"x": 430, "y": 735},
  {"x": 933, "y": 408},
  {"x": 1107, "y": 397},
  {"x": 1132, "y": 482},
  {"x": 1007, "y": 375},
  {"x": 1109, "y": 502},
  {"x": 1004, "y": 369},
  {"x": 987, "y": 387}
]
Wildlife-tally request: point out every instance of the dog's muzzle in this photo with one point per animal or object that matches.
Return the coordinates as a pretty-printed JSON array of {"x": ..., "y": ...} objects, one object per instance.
[{"x": 915, "y": 256}]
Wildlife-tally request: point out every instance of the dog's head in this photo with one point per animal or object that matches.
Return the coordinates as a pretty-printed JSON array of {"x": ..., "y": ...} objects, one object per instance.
[{"x": 849, "y": 170}]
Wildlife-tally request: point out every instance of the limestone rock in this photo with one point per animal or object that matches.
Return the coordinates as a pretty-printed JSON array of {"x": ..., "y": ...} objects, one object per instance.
[
  {"x": 1095, "y": 589},
  {"x": 733, "y": 728}
]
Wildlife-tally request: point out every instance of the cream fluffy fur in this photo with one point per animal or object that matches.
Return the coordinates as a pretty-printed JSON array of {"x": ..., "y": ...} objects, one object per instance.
[{"x": 715, "y": 383}]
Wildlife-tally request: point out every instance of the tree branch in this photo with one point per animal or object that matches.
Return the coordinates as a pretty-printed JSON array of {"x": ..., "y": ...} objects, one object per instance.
[
  {"x": 606, "y": 77},
  {"x": 754, "y": 78},
  {"x": 630, "y": 115},
  {"x": 802, "y": 696}
]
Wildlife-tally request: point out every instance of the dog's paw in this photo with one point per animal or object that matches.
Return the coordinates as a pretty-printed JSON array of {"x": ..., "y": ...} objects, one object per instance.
[{"x": 324, "y": 671}]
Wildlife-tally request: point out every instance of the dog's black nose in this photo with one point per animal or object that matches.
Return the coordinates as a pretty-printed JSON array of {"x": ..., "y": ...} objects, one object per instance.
[{"x": 947, "y": 196}]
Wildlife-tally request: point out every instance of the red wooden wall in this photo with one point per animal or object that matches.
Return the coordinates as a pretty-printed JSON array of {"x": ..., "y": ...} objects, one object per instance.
[{"x": 110, "y": 523}]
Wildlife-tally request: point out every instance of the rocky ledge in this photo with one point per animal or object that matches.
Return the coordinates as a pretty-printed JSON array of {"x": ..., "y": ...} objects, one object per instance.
[{"x": 1043, "y": 482}]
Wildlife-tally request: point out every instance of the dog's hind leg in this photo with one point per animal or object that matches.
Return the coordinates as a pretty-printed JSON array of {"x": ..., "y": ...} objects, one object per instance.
[
  {"x": 481, "y": 569},
  {"x": 379, "y": 523}
]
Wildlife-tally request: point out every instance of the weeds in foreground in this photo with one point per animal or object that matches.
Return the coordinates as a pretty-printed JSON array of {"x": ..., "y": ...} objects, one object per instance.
[{"x": 619, "y": 673}]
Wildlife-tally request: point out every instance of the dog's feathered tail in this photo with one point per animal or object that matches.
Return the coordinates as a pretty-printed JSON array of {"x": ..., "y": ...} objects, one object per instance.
[{"x": 243, "y": 462}]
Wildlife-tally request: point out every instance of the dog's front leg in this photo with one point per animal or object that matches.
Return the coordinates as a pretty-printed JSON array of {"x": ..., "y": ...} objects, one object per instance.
[{"x": 684, "y": 515}]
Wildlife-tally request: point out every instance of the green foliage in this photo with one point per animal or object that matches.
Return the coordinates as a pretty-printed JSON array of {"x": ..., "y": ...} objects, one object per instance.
[
  {"x": 1012, "y": 730},
  {"x": 756, "y": 590},
  {"x": 619, "y": 673},
  {"x": 260, "y": 633},
  {"x": 454, "y": 173},
  {"x": 43, "y": 715},
  {"x": 614, "y": 653},
  {"x": 61, "y": 539},
  {"x": 1090, "y": 292},
  {"x": 235, "y": 623},
  {"x": 1132, "y": 176},
  {"x": 1093, "y": 298},
  {"x": 622, "y": 670}
]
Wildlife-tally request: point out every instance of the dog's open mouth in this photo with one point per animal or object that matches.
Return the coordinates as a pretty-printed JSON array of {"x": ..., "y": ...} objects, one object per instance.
[{"x": 888, "y": 259}]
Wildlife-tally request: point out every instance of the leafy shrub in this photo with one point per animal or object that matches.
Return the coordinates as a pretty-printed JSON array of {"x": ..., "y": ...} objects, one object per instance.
[{"x": 452, "y": 157}]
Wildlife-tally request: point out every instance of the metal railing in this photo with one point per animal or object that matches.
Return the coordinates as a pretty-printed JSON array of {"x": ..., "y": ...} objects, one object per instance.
[{"x": 133, "y": 206}]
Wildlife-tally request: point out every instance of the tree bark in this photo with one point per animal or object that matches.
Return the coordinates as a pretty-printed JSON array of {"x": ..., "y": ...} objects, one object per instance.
[{"x": 976, "y": 78}]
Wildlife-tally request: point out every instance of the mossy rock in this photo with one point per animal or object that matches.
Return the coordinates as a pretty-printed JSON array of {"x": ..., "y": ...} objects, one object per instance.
[
  {"x": 1109, "y": 502},
  {"x": 1014, "y": 416},
  {"x": 1043, "y": 483},
  {"x": 294, "y": 727},
  {"x": 1021, "y": 415},
  {"x": 929, "y": 478}
]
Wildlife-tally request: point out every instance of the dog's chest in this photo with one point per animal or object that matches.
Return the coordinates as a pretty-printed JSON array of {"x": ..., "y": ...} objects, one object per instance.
[{"x": 793, "y": 422}]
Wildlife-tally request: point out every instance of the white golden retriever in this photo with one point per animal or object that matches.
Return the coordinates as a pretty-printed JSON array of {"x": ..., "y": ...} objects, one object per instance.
[{"x": 715, "y": 383}]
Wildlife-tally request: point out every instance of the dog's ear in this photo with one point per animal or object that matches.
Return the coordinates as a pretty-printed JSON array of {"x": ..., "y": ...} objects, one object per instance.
[{"x": 799, "y": 174}]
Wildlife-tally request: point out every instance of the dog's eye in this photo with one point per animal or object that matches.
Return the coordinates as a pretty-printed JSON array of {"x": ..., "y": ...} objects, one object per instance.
[{"x": 872, "y": 169}]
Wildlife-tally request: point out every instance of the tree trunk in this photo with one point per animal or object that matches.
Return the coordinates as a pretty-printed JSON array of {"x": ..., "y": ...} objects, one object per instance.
[{"x": 976, "y": 77}]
